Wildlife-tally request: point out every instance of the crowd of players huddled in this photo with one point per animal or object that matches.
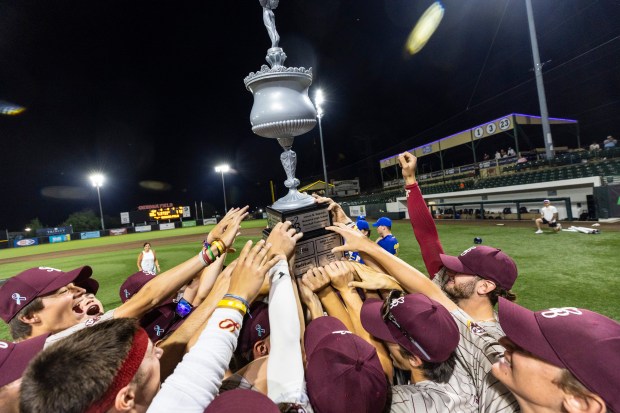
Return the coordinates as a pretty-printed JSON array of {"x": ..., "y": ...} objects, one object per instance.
[{"x": 378, "y": 336}]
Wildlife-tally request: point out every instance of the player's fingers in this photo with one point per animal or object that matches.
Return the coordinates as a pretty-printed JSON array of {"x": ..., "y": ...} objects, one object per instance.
[{"x": 298, "y": 236}]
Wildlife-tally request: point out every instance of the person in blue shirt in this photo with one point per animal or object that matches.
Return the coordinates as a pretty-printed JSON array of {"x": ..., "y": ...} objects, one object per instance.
[
  {"x": 364, "y": 228},
  {"x": 386, "y": 240}
]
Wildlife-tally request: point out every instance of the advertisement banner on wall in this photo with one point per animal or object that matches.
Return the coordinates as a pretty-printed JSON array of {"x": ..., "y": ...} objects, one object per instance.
[
  {"x": 357, "y": 210},
  {"x": 26, "y": 242},
  {"x": 42, "y": 232},
  {"x": 169, "y": 225},
  {"x": 142, "y": 228},
  {"x": 118, "y": 231},
  {"x": 90, "y": 234},
  {"x": 124, "y": 217},
  {"x": 60, "y": 238},
  {"x": 209, "y": 221},
  {"x": 188, "y": 224}
]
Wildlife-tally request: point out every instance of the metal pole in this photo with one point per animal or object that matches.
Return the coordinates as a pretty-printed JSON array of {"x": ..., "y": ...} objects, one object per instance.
[
  {"x": 323, "y": 155},
  {"x": 100, "y": 209},
  {"x": 224, "y": 189},
  {"x": 542, "y": 100}
]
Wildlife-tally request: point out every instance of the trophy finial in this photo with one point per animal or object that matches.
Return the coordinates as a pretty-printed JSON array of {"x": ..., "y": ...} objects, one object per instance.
[{"x": 269, "y": 18}]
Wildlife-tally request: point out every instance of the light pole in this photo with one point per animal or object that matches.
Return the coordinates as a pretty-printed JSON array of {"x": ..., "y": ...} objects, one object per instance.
[
  {"x": 97, "y": 181},
  {"x": 223, "y": 169},
  {"x": 318, "y": 100}
]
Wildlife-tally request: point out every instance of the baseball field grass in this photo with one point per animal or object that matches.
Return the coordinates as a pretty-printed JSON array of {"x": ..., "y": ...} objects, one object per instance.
[{"x": 555, "y": 270}]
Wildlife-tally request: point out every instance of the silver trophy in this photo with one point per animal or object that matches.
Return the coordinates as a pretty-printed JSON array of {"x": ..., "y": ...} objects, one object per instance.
[{"x": 283, "y": 110}]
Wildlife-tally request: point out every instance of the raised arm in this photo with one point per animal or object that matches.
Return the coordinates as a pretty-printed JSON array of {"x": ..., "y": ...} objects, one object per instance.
[
  {"x": 168, "y": 283},
  {"x": 421, "y": 220},
  {"x": 341, "y": 275},
  {"x": 317, "y": 280},
  {"x": 408, "y": 277}
]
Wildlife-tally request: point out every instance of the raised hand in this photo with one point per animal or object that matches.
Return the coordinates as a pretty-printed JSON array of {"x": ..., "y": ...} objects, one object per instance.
[
  {"x": 249, "y": 274},
  {"x": 310, "y": 299},
  {"x": 340, "y": 273},
  {"x": 338, "y": 214},
  {"x": 316, "y": 279},
  {"x": 223, "y": 228},
  {"x": 283, "y": 238},
  {"x": 354, "y": 239},
  {"x": 408, "y": 163},
  {"x": 371, "y": 279},
  {"x": 232, "y": 226}
]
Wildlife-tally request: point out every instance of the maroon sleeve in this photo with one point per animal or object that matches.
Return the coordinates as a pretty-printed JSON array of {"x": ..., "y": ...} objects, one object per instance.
[{"x": 424, "y": 229}]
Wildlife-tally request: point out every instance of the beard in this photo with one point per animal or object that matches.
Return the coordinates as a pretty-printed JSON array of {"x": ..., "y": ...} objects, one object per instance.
[{"x": 457, "y": 292}]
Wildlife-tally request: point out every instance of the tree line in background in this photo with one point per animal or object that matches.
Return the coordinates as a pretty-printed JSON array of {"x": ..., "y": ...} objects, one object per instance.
[{"x": 85, "y": 220}]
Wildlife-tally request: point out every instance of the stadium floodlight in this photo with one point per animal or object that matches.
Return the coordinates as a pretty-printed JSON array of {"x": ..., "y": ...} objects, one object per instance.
[
  {"x": 97, "y": 181},
  {"x": 318, "y": 101},
  {"x": 223, "y": 169}
]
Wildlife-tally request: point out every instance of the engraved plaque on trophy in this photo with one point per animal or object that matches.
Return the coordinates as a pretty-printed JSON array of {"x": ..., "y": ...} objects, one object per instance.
[{"x": 314, "y": 248}]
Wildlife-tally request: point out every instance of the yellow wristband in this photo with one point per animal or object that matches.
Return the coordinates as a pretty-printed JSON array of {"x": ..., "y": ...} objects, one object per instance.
[
  {"x": 235, "y": 304},
  {"x": 219, "y": 246}
]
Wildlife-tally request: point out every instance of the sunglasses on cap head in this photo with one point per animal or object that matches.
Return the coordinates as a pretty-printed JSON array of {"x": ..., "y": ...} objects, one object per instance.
[{"x": 386, "y": 313}]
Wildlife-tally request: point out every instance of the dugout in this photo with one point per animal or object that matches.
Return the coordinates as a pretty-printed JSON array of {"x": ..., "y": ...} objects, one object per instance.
[{"x": 520, "y": 132}]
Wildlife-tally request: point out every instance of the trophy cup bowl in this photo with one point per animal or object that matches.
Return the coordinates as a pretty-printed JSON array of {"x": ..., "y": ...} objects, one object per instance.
[{"x": 283, "y": 110}]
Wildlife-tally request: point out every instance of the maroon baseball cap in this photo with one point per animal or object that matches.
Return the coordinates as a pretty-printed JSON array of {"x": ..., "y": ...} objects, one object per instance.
[
  {"x": 133, "y": 284},
  {"x": 343, "y": 372},
  {"x": 584, "y": 342},
  {"x": 254, "y": 328},
  {"x": 14, "y": 357},
  {"x": 487, "y": 262},
  {"x": 23, "y": 288},
  {"x": 162, "y": 319},
  {"x": 242, "y": 401},
  {"x": 433, "y": 333}
]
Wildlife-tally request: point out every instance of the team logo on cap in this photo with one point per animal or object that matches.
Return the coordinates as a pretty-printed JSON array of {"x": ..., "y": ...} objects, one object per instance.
[
  {"x": 560, "y": 312},
  {"x": 49, "y": 269},
  {"x": 260, "y": 330},
  {"x": 18, "y": 298},
  {"x": 4, "y": 345},
  {"x": 127, "y": 293},
  {"x": 397, "y": 301},
  {"x": 341, "y": 332},
  {"x": 158, "y": 330},
  {"x": 467, "y": 250}
]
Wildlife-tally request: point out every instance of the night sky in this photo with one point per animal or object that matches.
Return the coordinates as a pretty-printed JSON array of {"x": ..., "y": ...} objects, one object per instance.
[{"x": 152, "y": 94}]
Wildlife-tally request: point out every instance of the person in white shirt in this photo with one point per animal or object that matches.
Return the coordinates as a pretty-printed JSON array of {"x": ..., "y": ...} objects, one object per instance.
[
  {"x": 147, "y": 260},
  {"x": 548, "y": 215}
]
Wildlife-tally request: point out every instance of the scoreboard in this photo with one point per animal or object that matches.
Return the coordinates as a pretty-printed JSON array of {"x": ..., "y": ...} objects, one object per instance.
[{"x": 166, "y": 213}]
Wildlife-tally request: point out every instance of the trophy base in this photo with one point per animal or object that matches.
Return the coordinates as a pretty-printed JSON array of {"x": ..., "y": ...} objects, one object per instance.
[{"x": 314, "y": 249}]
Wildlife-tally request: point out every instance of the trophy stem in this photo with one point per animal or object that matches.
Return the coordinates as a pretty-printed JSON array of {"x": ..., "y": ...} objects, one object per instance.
[{"x": 294, "y": 198}]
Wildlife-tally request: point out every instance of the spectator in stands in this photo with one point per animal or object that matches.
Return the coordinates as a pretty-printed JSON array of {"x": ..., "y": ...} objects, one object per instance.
[
  {"x": 594, "y": 146},
  {"x": 511, "y": 152},
  {"x": 548, "y": 215},
  {"x": 486, "y": 157},
  {"x": 503, "y": 153},
  {"x": 386, "y": 240},
  {"x": 610, "y": 142},
  {"x": 498, "y": 155}
]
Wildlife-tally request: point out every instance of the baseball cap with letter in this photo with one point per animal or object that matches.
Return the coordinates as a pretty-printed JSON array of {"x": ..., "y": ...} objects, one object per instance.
[
  {"x": 385, "y": 221},
  {"x": 356, "y": 381},
  {"x": 487, "y": 262},
  {"x": 23, "y": 288},
  {"x": 584, "y": 342},
  {"x": 421, "y": 325}
]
